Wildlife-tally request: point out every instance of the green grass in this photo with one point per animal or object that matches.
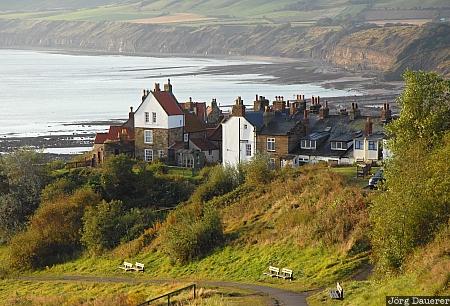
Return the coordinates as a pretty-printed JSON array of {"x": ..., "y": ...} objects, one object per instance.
[
  {"x": 350, "y": 174},
  {"x": 313, "y": 267}
]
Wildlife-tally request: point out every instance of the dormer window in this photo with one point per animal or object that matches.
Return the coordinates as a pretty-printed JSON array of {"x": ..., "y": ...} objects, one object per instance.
[
  {"x": 338, "y": 145},
  {"x": 308, "y": 144}
]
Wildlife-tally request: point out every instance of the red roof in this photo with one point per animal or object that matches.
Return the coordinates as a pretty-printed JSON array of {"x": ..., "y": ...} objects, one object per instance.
[
  {"x": 168, "y": 102},
  {"x": 100, "y": 138},
  {"x": 114, "y": 134},
  {"x": 192, "y": 124}
]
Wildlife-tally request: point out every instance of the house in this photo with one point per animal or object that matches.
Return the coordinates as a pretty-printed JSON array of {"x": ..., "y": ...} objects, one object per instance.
[
  {"x": 239, "y": 134},
  {"x": 369, "y": 146},
  {"x": 118, "y": 140},
  {"x": 158, "y": 125},
  {"x": 280, "y": 134},
  {"x": 199, "y": 109},
  {"x": 196, "y": 150}
]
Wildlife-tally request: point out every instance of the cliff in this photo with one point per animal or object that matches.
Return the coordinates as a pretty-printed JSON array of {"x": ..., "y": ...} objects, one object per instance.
[{"x": 389, "y": 50}]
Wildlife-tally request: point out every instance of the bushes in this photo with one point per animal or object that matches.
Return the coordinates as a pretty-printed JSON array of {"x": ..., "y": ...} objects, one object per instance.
[
  {"x": 54, "y": 232},
  {"x": 257, "y": 171},
  {"x": 191, "y": 232},
  {"x": 415, "y": 205},
  {"x": 108, "y": 224},
  {"x": 219, "y": 180}
]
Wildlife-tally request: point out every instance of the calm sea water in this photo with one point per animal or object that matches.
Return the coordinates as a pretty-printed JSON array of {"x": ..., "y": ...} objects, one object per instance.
[{"x": 42, "y": 93}]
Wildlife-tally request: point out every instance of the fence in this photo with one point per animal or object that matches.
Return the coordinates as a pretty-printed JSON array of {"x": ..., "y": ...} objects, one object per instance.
[{"x": 170, "y": 294}]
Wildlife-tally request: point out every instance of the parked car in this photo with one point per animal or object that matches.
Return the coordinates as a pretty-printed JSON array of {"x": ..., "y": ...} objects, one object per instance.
[{"x": 376, "y": 179}]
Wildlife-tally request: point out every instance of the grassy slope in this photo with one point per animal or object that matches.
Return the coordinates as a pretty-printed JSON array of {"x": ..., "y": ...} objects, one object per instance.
[{"x": 263, "y": 229}]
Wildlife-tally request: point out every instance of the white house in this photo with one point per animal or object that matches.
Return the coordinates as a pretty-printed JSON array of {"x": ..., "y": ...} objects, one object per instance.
[
  {"x": 158, "y": 123},
  {"x": 239, "y": 134},
  {"x": 368, "y": 148}
]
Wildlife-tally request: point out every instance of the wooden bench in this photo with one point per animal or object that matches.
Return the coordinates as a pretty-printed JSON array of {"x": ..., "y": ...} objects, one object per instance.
[
  {"x": 273, "y": 272},
  {"x": 286, "y": 274},
  {"x": 126, "y": 266},
  {"x": 139, "y": 267},
  {"x": 337, "y": 294}
]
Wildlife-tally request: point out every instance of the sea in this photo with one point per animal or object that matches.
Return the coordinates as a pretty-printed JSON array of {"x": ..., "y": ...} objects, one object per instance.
[{"x": 45, "y": 93}]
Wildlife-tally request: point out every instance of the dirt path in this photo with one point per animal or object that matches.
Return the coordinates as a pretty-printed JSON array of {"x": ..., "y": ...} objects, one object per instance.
[{"x": 278, "y": 296}]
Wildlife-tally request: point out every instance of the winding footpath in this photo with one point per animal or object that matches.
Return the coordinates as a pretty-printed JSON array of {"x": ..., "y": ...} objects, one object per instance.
[{"x": 278, "y": 297}]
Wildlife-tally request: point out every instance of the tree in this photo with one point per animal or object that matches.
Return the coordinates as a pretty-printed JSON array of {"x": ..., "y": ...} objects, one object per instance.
[
  {"x": 425, "y": 111},
  {"x": 118, "y": 178},
  {"x": 23, "y": 175},
  {"x": 415, "y": 205}
]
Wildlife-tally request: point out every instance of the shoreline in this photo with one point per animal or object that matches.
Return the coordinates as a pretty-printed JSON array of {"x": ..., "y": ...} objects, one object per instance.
[{"x": 284, "y": 71}]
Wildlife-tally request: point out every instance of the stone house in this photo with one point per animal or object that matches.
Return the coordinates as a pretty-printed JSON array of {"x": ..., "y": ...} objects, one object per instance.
[{"x": 158, "y": 124}]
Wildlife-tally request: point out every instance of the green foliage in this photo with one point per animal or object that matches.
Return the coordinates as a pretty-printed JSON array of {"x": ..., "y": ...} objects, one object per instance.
[
  {"x": 415, "y": 204},
  {"x": 219, "y": 180},
  {"x": 23, "y": 175},
  {"x": 257, "y": 171},
  {"x": 191, "y": 232},
  {"x": 108, "y": 224},
  {"x": 57, "y": 189},
  {"x": 54, "y": 232},
  {"x": 118, "y": 178},
  {"x": 425, "y": 111}
]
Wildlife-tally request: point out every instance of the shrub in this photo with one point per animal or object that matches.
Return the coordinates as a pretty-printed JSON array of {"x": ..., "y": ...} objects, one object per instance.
[
  {"x": 118, "y": 179},
  {"x": 415, "y": 205},
  {"x": 191, "y": 232},
  {"x": 257, "y": 171},
  {"x": 220, "y": 180},
  {"x": 108, "y": 224},
  {"x": 54, "y": 232},
  {"x": 59, "y": 188}
]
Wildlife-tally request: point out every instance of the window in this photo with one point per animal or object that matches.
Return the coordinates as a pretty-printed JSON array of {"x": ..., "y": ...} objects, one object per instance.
[
  {"x": 248, "y": 149},
  {"x": 245, "y": 126},
  {"x": 186, "y": 137},
  {"x": 338, "y": 145},
  {"x": 372, "y": 146},
  {"x": 271, "y": 144},
  {"x": 148, "y": 136},
  {"x": 148, "y": 155},
  {"x": 209, "y": 152},
  {"x": 358, "y": 145},
  {"x": 153, "y": 117},
  {"x": 308, "y": 144},
  {"x": 160, "y": 154},
  {"x": 147, "y": 117}
]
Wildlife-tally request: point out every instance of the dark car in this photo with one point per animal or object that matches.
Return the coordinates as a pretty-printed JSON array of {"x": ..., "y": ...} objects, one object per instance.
[{"x": 376, "y": 179}]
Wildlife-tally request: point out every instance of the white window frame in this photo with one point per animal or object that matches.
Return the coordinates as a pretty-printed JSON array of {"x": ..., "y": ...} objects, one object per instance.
[
  {"x": 153, "y": 117},
  {"x": 359, "y": 145},
  {"x": 147, "y": 117},
  {"x": 160, "y": 154},
  {"x": 372, "y": 143},
  {"x": 148, "y": 155},
  {"x": 148, "y": 136},
  {"x": 186, "y": 137},
  {"x": 308, "y": 144},
  {"x": 271, "y": 144},
  {"x": 272, "y": 163},
  {"x": 248, "y": 149}
]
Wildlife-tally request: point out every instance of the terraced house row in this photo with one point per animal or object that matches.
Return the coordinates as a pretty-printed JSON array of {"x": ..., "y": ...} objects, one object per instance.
[{"x": 290, "y": 132}]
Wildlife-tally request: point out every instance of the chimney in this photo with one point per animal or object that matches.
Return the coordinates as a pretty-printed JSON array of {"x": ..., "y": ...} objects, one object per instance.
[
  {"x": 324, "y": 111},
  {"x": 368, "y": 127},
  {"x": 168, "y": 86},
  {"x": 144, "y": 95},
  {"x": 386, "y": 113},
  {"x": 267, "y": 116},
  {"x": 238, "y": 109},
  {"x": 293, "y": 108},
  {"x": 157, "y": 88},
  {"x": 355, "y": 113}
]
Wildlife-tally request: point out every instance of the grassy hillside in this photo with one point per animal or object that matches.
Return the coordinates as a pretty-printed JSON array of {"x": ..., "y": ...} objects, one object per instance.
[{"x": 262, "y": 11}]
